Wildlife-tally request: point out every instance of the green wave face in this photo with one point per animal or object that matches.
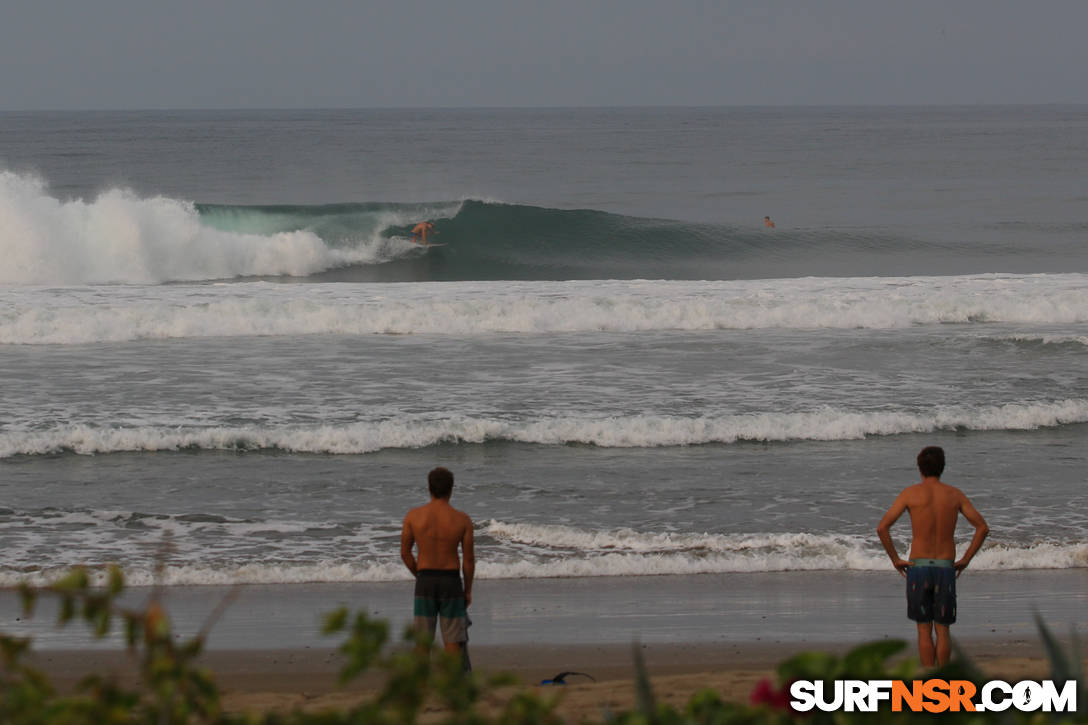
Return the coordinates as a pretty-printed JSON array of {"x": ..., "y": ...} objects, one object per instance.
[
  {"x": 489, "y": 241},
  {"x": 507, "y": 241},
  {"x": 495, "y": 241},
  {"x": 337, "y": 224}
]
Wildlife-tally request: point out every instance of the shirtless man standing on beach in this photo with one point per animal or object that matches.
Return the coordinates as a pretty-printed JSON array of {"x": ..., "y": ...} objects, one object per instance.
[
  {"x": 437, "y": 529},
  {"x": 931, "y": 573}
]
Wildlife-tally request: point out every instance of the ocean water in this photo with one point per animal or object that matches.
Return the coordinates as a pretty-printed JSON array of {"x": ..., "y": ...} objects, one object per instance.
[{"x": 219, "y": 348}]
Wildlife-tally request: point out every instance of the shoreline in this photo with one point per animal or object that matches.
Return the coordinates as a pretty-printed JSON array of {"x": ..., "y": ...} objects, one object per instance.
[{"x": 768, "y": 607}]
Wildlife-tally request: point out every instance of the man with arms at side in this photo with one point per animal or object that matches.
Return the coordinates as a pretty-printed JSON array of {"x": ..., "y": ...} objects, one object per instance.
[
  {"x": 437, "y": 529},
  {"x": 931, "y": 573}
]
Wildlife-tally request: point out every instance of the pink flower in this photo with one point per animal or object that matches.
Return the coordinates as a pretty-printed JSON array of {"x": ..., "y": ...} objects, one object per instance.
[{"x": 765, "y": 693}]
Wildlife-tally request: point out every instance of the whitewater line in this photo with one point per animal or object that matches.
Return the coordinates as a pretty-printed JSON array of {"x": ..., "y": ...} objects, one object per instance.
[{"x": 636, "y": 431}]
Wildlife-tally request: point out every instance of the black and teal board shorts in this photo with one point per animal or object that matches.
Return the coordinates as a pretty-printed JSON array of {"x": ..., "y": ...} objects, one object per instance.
[
  {"x": 440, "y": 598},
  {"x": 931, "y": 591}
]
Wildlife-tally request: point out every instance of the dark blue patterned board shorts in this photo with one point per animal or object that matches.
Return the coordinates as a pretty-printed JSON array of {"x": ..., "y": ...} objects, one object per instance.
[
  {"x": 931, "y": 594},
  {"x": 440, "y": 598}
]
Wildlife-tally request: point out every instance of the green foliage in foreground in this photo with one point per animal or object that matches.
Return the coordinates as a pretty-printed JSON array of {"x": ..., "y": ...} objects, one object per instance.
[{"x": 175, "y": 689}]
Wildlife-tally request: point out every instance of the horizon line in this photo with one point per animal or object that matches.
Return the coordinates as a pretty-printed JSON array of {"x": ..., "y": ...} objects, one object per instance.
[{"x": 175, "y": 109}]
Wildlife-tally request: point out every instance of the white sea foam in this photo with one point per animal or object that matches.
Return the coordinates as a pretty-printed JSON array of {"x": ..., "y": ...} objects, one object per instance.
[
  {"x": 639, "y": 431},
  {"x": 121, "y": 237},
  {"x": 684, "y": 553},
  {"x": 566, "y": 552},
  {"x": 30, "y": 315},
  {"x": 1041, "y": 338}
]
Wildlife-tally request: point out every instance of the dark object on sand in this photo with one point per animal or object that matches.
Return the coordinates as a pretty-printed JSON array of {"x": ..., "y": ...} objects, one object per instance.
[{"x": 561, "y": 678}]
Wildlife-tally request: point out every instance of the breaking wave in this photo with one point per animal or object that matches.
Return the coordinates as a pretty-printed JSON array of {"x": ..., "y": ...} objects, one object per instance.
[
  {"x": 636, "y": 431},
  {"x": 120, "y": 237},
  {"x": 532, "y": 551},
  {"x": 123, "y": 237},
  {"x": 79, "y": 315}
]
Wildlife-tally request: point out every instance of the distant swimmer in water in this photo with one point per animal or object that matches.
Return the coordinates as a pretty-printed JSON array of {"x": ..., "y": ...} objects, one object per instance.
[
  {"x": 420, "y": 232},
  {"x": 768, "y": 223}
]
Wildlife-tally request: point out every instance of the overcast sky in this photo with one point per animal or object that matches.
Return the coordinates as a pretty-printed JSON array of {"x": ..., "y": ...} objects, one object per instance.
[{"x": 118, "y": 54}]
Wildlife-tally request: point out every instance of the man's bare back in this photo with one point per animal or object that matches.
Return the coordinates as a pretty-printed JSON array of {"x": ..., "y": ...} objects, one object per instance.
[
  {"x": 934, "y": 508},
  {"x": 420, "y": 232},
  {"x": 437, "y": 529},
  {"x": 931, "y": 573}
]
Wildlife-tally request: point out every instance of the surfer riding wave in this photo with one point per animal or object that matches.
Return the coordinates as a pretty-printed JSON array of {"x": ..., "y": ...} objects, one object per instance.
[{"x": 420, "y": 232}]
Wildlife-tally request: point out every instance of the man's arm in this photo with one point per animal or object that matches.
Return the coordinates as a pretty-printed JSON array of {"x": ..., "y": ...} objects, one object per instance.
[
  {"x": 884, "y": 531},
  {"x": 981, "y": 530},
  {"x": 407, "y": 541},
  {"x": 468, "y": 559}
]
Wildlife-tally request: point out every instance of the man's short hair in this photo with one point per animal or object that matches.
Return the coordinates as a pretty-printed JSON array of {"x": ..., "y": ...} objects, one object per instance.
[
  {"x": 440, "y": 482},
  {"x": 931, "y": 461}
]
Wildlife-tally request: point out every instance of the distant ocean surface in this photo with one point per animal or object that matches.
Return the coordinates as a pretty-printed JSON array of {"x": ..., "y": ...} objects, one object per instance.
[{"x": 218, "y": 344}]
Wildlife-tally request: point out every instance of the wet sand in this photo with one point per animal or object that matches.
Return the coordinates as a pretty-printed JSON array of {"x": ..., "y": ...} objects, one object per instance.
[{"x": 776, "y": 607}]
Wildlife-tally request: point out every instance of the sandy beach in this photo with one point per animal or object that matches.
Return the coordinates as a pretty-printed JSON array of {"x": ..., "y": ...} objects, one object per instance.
[
  {"x": 722, "y": 632},
  {"x": 270, "y": 679}
]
